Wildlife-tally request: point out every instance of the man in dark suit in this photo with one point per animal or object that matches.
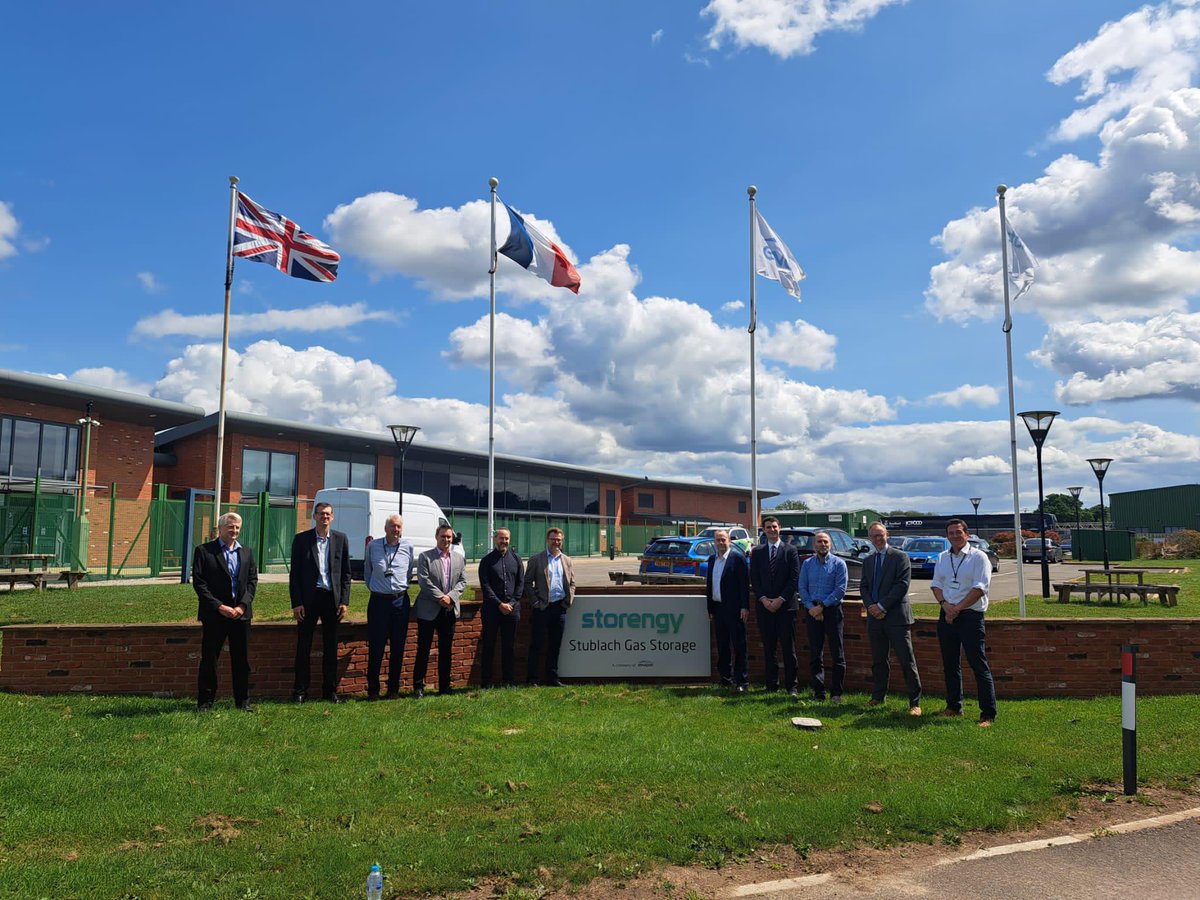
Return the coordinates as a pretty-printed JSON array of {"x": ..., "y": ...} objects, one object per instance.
[
  {"x": 774, "y": 581},
  {"x": 225, "y": 579},
  {"x": 728, "y": 594},
  {"x": 502, "y": 581},
  {"x": 886, "y": 576},
  {"x": 550, "y": 590},
  {"x": 319, "y": 584},
  {"x": 441, "y": 577}
]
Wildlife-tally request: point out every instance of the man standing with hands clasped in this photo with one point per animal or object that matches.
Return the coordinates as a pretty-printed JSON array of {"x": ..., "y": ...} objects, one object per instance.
[
  {"x": 502, "y": 580},
  {"x": 319, "y": 585},
  {"x": 774, "y": 579},
  {"x": 442, "y": 580},
  {"x": 886, "y": 577},
  {"x": 550, "y": 590},
  {"x": 388, "y": 568},
  {"x": 728, "y": 594},
  {"x": 225, "y": 579},
  {"x": 960, "y": 585},
  {"x": 823, "y": 579}
]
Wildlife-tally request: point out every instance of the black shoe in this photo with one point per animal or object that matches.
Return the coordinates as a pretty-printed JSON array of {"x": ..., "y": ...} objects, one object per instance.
[
  {"x": 820, "y": 698},
  {"x": 372, "y": 698},
  {"x": 741, "y": 688},
  {"x": 445, "y": 692},
  {"x": 556, "y": 683},
  {"x": 485, "y": 687},
  {"x": 332, "y": 697},
  {"x": 794, "y": 693},
  {"x": 204, "y": 706},
  {"x": 245, "y": 707},
  {"x": 299, "y": 696},
  {"x": 511, "y": 685},
  {"x": 418, "y": 693}
]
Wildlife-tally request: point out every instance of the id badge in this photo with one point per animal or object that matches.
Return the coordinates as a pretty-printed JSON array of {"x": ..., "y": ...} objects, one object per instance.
[
  {"x": 388, "y": 573},
  {"x": 953, "y": 583}
]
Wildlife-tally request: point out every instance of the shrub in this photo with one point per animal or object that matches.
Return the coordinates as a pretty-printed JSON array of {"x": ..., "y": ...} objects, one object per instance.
[{"x": 1184, "y": 544}]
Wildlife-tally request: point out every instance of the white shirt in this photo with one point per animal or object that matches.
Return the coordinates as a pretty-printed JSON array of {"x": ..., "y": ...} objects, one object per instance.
[
  {"x": 957, "y": 573},
  {"x": 323, "y": 562},
  {"x": 554, "y": 569},
  {"x": 718, "y": 571}
]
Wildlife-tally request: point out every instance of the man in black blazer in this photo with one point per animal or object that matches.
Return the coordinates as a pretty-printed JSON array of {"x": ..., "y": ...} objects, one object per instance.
[
  {"x": 319, "y": 584},
  {"x": 775, "y": 581},
  {"x": 728, "y": 594},
  {"x": 886, "y": 576},
  {"x": 225, "y": 579}
]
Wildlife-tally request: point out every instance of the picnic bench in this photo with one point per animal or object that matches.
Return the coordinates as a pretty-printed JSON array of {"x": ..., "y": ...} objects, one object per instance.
[
  {"x": 1166, "y": 593},
  {"x": 25, "y": 568}
]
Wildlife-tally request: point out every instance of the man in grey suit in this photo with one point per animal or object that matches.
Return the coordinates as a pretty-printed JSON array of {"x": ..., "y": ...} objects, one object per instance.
[
  {"x": 886, "y": 577},
  {"x": 550, "y": 590},
  {"x": 441, "y": 577}
]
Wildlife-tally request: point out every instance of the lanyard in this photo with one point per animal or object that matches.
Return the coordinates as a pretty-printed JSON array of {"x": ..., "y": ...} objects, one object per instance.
[{"x": 953, "y": 568}]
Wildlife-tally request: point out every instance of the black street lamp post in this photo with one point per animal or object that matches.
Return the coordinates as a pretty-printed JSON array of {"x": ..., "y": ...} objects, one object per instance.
[
  {"x": 1038, "y": 422},
  {"x": 1100, "y": 467},
  {"x": 403, "y": 435},
  {"x": 975, "y": 501},
  {"x": 1075, "y": 492}
]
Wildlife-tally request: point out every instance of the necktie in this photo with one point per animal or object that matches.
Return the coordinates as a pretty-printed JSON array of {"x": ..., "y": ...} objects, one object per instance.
[
  {"x": 875, "y": 580},
  {"x": 774, "y": 555}
]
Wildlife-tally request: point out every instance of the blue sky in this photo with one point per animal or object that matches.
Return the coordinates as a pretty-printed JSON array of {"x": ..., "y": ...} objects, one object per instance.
[{"x": 875, "y": 130}]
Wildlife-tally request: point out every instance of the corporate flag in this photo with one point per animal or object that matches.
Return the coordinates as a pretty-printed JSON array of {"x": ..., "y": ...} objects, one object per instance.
[
  {"x": 530, "y": 249},
  {"x": 773, "y": 259},
  {"x": 267, "y": 237},
  {"x": 1021, "y": 263}
]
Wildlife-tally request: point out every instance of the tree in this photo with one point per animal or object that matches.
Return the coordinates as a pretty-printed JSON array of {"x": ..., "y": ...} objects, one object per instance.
[
  {"x": 907, "y": 512},
  {"x": 799, "y": 505},
  {"x": 1095, "y": 512},
  {"x": 1063, "y": 506}
]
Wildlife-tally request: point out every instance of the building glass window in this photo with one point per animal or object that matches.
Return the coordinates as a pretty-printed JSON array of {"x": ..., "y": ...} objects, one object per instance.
[
  {"x": 575, "y": 498},
  {"x": 345, "y": 469},
  {"x": 267, "y": 470},
  {"x": 337, "y": 473},
  {"x": 741, "y": 506},
  {"x": 29, "y": 447},
  {"x": 362, "y": 475},
  {"x": 559, "y": 496},
  {"x": 591, "y": 498},
  {"x": 436, "y": 483},
  {"x": 645, "y": 501},
  {"x": 539, "y": 493},
  {"x": 516, "y": 491},
  {"x": 464, "y": 487}
]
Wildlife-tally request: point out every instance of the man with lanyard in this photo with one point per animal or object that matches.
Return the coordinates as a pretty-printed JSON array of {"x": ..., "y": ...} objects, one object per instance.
[
  {"x": 388, "y": 569},
  {"x": 550, "y": 590},
  {"x": 502, "y": 581},
  {"x": 823, "y": 579},
  {"x": 960, "y": 585}
]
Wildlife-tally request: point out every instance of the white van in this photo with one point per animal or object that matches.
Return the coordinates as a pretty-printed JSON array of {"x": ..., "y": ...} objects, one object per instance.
[{"x": 360, "y": 513}]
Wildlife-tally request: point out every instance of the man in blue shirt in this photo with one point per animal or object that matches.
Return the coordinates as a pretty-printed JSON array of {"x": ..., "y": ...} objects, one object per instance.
[
  {"x": 387, "y": 570},
  {"x": 823, "y": 578}
]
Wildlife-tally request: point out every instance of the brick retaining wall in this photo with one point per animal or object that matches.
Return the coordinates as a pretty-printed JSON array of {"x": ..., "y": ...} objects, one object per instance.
[{"x": 1030, "y": 658}]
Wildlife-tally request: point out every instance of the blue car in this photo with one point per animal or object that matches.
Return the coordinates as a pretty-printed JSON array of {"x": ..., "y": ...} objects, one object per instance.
[
  {"x": 678, "y": 556},
  {"x": 923, "y": 553}
]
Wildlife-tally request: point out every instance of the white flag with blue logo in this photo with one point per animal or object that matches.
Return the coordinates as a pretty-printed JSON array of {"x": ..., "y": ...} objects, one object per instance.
[
  {"x": 1021, "y": 263},
  {"x": 772, "y": 258}
]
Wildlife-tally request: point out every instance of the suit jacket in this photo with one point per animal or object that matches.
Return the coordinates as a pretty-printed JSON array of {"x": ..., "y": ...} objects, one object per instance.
[
  {"x": 735, "y": 585},
  {"x": 302, "y": 580},
  {"x": 894, "y": 581},
  {"x": 784, "y": 582},
  {"x": 502, "y": 580},
  {"x": 537, "y": 580},
  {"x": 433, "y": 584},
  {"x": 210, "y": 579}
]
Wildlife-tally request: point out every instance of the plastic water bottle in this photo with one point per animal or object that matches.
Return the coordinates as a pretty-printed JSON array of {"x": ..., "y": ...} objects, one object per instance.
[{"x": 375, "y": 883}]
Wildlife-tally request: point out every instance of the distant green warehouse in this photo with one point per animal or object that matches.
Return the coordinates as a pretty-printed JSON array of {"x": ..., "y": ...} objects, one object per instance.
[{"x": 1157, "y": 510}]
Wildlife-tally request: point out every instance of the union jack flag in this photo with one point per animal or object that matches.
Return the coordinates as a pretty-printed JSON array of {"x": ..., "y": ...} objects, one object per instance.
[{"x": 267, "y": 237}]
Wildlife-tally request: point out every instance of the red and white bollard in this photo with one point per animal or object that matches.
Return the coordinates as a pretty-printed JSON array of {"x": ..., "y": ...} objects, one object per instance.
[{"x": 1129, "y": 716}]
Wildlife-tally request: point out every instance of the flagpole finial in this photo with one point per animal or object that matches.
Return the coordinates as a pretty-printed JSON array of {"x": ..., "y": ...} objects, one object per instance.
[
  {"x": 752, "y": 190},
  {"x": 493, "y": 183},
  {"x": 233, "y": 179},
  {"x": 1001, "y": 189}
]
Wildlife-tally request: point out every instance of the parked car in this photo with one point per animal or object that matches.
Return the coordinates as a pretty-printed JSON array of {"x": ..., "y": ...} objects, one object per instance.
[
  {"x": 1031, "y": 551},
  {"x": 898, "y": 541},
  {"x": 843, "y": 546},
  {"x": 739, "y": 535},
  {"x": 923, "y": 553},
  {"x": 862, "y": 545},
  {"x": 677, "y": 555},
  {"x": 981, "y": 544}
]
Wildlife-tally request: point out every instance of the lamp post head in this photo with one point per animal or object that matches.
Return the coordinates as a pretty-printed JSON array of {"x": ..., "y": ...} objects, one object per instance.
[
  {"x": 1099, "y": 466},
  {"x": 403, "y": 435},
  {"x": 1038, "y": 421},
  {"x": 1076, "y": 491},
  {"x": 975, "y": 501}
]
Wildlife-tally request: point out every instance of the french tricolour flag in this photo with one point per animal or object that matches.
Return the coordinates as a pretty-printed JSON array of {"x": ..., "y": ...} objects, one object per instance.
[{"x": 529, "y": 248}]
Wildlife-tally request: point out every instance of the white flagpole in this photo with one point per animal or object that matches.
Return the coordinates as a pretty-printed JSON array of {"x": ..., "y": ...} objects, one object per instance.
[
  {"x": 493, "y": 183},
  {"x": 1012, "y": 409},
  {"x": 752, "y": 190},
  {"x": 233, "y": 192}
]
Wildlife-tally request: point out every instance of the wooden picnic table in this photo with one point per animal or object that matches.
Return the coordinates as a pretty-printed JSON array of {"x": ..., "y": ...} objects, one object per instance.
[
  {"x": 30, "y": 568},
  {"x": 1115, "y": 572}
]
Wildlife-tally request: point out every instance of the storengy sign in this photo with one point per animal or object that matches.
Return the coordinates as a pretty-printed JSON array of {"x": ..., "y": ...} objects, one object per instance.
[{"x": 636, "y": 636}]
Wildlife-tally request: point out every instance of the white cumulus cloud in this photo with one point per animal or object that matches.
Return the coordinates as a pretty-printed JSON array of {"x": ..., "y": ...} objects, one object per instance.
[
  {"x": 9, "y": 227},
  {"x": 966, "y": 395},
  {"x": 319, "y": 317},
  {"x": 786, "y": 27},
  {"x": 149, "y": 282}
]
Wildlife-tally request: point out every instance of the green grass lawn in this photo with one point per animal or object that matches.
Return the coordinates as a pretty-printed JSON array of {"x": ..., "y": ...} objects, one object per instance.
[{"x": 136, "y": 797}]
